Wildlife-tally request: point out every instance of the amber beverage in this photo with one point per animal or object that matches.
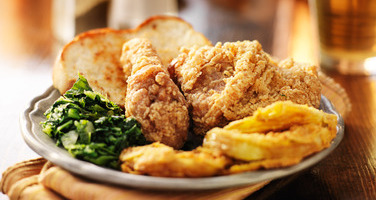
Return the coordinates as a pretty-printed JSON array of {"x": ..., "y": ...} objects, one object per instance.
[{"x": 347, "y": 35}]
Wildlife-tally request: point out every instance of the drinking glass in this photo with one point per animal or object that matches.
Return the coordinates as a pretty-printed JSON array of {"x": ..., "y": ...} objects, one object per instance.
[{"x": 347, "y": 35}]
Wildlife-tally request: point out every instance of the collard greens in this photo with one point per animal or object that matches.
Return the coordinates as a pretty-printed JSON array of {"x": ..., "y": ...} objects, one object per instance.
[{"x": 91, "y": 127}]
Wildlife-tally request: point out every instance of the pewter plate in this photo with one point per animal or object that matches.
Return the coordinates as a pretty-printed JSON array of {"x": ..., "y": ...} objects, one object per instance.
[{"x": 43, "y": 145}]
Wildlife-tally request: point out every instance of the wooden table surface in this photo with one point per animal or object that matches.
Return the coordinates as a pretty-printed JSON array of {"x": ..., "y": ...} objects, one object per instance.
[{"x": 282, "y": 26}]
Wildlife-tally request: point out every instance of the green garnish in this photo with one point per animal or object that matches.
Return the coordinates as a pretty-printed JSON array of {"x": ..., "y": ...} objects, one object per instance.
[{"x": 91, "y": 127}]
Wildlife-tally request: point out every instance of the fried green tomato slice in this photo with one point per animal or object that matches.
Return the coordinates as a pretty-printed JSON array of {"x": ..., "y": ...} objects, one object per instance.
[
  {"x": 275, "y": 136},
  {"x": 161, "y": 160}
]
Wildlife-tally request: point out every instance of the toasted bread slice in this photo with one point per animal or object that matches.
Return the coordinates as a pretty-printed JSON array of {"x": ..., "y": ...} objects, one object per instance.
[{"x": 96, "y": 54}]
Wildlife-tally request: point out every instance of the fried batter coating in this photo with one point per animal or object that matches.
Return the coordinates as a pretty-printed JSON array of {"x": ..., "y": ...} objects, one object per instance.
[
  {"x": 279, "y": 116},
  {"x": 228, "y": 82},
  {"x": 279, "y": 135},
  {"x": 152, "y": 97},
  {"x": 262, "y": 164},
  {"x": 287, "y": 140},
  {"x": 160, "y": 160}
]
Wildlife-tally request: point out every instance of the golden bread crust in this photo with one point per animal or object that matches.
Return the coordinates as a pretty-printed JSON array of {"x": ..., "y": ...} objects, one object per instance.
[{"x": 96, "y": 53}]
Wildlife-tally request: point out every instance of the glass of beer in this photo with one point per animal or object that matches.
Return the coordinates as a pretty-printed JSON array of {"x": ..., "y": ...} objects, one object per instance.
[{"x": 347, "y": 35}]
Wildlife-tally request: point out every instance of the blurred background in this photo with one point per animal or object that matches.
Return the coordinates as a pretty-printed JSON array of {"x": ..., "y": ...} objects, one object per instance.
[{"x": 35, "y": 27}]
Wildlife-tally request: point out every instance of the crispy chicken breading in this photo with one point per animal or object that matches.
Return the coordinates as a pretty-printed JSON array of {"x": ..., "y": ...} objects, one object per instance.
[
  {"x": 152, "y": 97},
  {"x": 160, "y": 160},
  {"x": 228, "y": 82}
]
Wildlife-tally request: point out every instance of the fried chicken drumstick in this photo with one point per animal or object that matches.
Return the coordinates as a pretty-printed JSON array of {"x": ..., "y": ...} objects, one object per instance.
[
  {"x": 152, "y": 97},
  {"x": 230, "y": 81}
]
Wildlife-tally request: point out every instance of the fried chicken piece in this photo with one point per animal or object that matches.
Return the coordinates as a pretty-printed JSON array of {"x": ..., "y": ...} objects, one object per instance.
[
  {"x": 160, "y": 160},
  {"x": 228, "y": 82},
  {"x": 152, "y": 97}
]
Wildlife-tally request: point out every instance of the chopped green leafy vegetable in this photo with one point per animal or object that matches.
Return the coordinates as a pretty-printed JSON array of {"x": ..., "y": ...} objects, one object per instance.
[{"x": 91, "y": 127}]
